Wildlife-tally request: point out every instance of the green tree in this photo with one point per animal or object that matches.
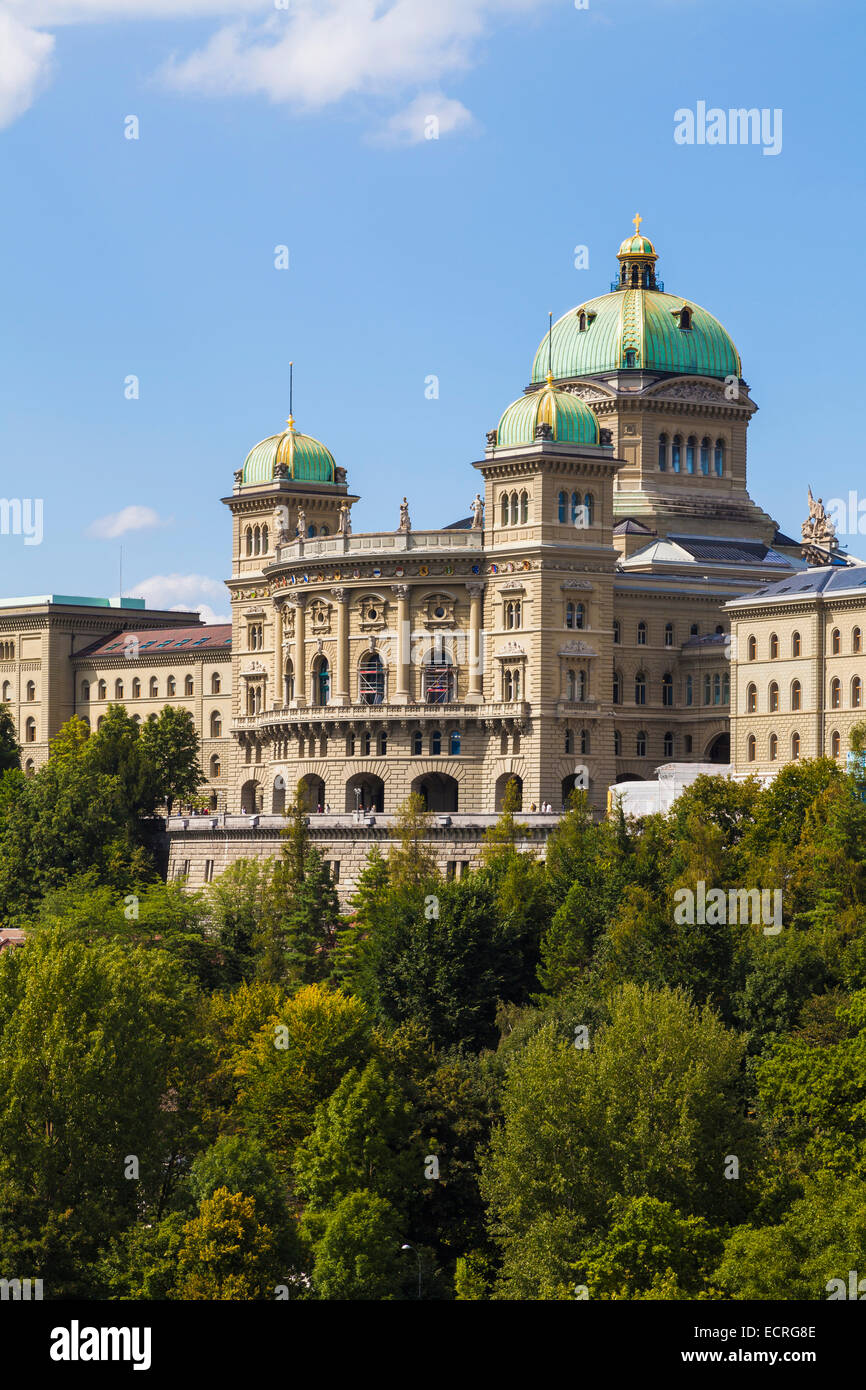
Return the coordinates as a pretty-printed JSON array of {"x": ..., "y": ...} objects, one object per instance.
[
  {"x": 650, "y": 1247},
  {"x": 228, "y": 1252},
  {"x": 411, "y": 863},
  {"x": 171, "y": 747},
  {"x": 239, "y": 904},
  {"x": 10, "y": 753},
  {"x": 358, "y": 1255}
]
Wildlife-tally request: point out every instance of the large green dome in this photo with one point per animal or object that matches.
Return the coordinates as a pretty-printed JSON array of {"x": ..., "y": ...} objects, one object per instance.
[
  {"x": 295, "y": 456},
  {"x": 637, "y": 327},
  {"x": 569, "y": 420}
]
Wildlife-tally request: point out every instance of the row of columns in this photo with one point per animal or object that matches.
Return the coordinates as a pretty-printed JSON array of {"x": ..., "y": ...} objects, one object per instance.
[{"x": 340, "y": 690}]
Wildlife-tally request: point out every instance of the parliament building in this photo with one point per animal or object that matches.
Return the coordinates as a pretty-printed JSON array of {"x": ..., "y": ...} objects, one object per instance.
[{"x": 574, "y": 629}]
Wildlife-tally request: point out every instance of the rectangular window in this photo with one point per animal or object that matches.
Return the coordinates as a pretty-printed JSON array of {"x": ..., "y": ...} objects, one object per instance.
[
  {"x": 451, "y": 869},
  {"x": 208, "y": 871}
]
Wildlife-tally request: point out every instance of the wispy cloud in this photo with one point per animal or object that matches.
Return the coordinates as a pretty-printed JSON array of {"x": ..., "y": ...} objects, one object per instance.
[
  {"x": 309, "y": 56},
  {"x": 184, "y": 593},
  {"x": 430, "y": 116},
  {"x": 26, "y": 59},
  {"x": 116, "y": 524}
]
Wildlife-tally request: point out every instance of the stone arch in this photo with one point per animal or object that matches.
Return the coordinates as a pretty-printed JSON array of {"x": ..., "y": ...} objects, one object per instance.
[
  {"x": 719, "y": 748},
  {"x": 313, "y": 791},
  {"x": 252, "y": 797},
  {"x": 501, "y": 786},
  {"x": 278, "y": 795},
  {"x": 438, "y": 790},
  {"x": 365, "y": 792}
]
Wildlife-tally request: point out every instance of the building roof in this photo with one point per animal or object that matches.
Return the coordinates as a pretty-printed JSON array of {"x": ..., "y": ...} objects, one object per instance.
[
  {"x": 630, "y": 526},
  {"x": 825, "y": 579},
  {"x": 708, "y": 550},
  {"x": 72, "y": 601},
  {"x": 208, "y": 637},
  {"x": 11, "y": 936},
  {"x": 464, "y": 524}
]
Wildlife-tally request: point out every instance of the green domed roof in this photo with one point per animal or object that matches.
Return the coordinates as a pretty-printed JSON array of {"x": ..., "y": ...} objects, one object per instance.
[
  {"x": 642, "y": 322},
  {"x": 305, "y": 459},
  {"x": 636, "y": 246},
  {"x": 571, "y": 421}
]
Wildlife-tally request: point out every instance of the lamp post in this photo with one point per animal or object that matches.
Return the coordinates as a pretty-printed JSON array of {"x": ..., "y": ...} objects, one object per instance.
[{"x": 418, "y": 1257}]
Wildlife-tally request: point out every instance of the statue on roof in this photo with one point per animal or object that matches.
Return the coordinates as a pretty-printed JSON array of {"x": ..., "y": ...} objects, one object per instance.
[
  {"x": 301, "y": 528},
  {"x": 477, "y": 509},
  {"x": 405, "y": 523},
  {"x": 344, "y": 525},
  {"x": 818, "y": 529}
]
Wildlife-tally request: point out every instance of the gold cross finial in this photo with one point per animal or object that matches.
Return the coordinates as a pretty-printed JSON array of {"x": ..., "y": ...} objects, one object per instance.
[{"x": 637, "y": 219}]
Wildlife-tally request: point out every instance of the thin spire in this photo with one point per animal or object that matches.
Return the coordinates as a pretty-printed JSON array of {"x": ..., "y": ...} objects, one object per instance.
[
  {"x": 291, "y": 420},
  {"x": 550, "y": 347}
]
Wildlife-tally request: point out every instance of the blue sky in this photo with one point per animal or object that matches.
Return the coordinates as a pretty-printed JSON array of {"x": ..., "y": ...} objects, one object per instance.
[{"x": 409, "y": 257}]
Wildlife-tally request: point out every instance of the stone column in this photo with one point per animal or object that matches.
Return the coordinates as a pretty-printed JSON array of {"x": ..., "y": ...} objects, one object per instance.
[
  {"x": 401, "y": 695},
  {"x": 300, "y": 649},
  {"x": 476, "y": 655},
  {"x": 279, "y": 699},
  {"x": 340, "y": 693}
]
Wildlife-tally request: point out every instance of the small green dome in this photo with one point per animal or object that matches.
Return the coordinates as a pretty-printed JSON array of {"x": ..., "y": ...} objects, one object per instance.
[
  {"x": 636, "y": 246},
  {"x": 570, "y": 420},
  {"x": 305, "y": 459}
]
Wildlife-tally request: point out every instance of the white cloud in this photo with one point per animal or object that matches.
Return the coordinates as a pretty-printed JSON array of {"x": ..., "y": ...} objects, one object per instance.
[
  {"x": 313, "y": 53},
  {"x": 430, "y": 116},
  {"x": 116, "y": 524},
  {"x": 25, "y": 66},
  {"x": 183, "y": 593}
]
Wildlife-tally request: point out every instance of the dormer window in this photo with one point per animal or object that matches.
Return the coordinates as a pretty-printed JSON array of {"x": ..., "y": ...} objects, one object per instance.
[
  {"x": 685, "y": 318},
  {"x": 581, "y": 322},
  {"x": 630, "y": 357}
]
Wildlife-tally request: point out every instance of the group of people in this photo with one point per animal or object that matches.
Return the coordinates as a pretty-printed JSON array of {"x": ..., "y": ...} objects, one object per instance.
[{"x": 545, "y": 808}]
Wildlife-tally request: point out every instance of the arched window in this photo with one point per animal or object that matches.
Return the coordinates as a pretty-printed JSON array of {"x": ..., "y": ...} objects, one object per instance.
[
  {"x": 856, "y": 693},
  {"x": 569, "y": 742},
  {"x": 435, "y": 743},
  {"x": 417, "y": 744},
  {"x": 118, "y": 690},
  {"x": 691, "y": 445},
  {"x": 438, "y": 679},
  {"x": 30, "y": 691},
  {"x": 836, "y": 693},
  {"x": 640, "y": 744},
  {"x": 774, "y": 646},
  {"x": 584, "y": 740},
  {"x": 171, "y": 686},
  {"x": 668, "y": 745},
  {"x": 720, "y": 458},
  {"x": 588, "y": 509},
  {"x": 512, "y": 613},
  {"x": 562, "y": 506},
  {"x": 676, "y": 452},
  {"x": 836, "y": 641},
  {"x": 371, "y": 679},
  {"x": 751, "y": 699},
  {"x": 325, "y": 531},
  {"x": 708, "y": 689},
  {"x": 321, "y": 681},
  {"x": 365, "y": 744},
  {"x": 215, "y": 683},
  {"x": 856, "y": 640},
  {"x": 503, "y": 509},
  {"x": 752, "y": 648},
  {"x": 570, "y": 685},
  {"x": 311, "y": 530},
  {"x": 264, "y": 540},
  {"x": 667, "y": 689},
  {"x": 569, "y": 614},
  {"x": 694, "y": 630},
  {"x": 690, "y": 690},
  {"x": 383, "y": 743},
  {"x": 617, "y": 632},
  {"x": 215, "y": 767},
  {"x": 249, "y": 540},
  {"x": 579, "y": 617},
  {"x": 774, "y": 747},
  {"x": 524, "y": 507},
  {"x": 187, "y": 685},
  {"x": 216, "y": 724},
  {"x": 796, "y": 695},
  {"x": 101, "y": 690},
  {"x": 617, "y": 743},
  {"x": 581, "y": 322},
  {"x": 575, "y": 508},
  {"x": 617, "y": 688},
  {"x": 752, "y": 748},
  {"x": 85, "y": 690},
  {"x": 153, "y": 687},
  {"x": 796, "y": 645},
  {"x": 515, "y": 515},
  {"x": 454, "y": 743},
  {"x": 254, "y": 699},
  {"x": 669, "y": 634},
  {"x": 257, "y": 540},
  {"x": 717, "y": 688},
  {"x": 795, "y": 746},
  {"x": 136, "y": 688},
  {"x": 705, "y": 457},
  {"x": 582, "y": 685},
  {"x": 30, "y": 730},
  {"x": 640, "y": 688},
  {"x": 773, "y": 704},
  {"x": 641, "y": 634},
  {"x": 663, "y": 453},
  {"x": 835, "y": 744},
  {"x": 685, "y": 319}
]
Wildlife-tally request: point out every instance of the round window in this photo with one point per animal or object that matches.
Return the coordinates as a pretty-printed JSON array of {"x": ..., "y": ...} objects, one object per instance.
[
  {"x": 439, "y": 612},
  {"x": 373, "y": 614}
]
